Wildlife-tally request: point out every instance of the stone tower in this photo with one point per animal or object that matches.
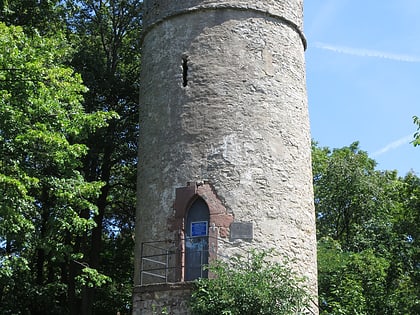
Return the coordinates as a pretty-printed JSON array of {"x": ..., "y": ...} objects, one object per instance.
[{"x": 224, "y": 161}]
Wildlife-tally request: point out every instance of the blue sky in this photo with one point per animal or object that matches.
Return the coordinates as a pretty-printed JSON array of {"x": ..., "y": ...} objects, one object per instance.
[{"x": 363, "y": 77}]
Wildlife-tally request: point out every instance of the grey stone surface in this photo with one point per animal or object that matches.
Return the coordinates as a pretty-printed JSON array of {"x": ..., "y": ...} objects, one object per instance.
[
  {"x": 241, "y": 122},
  {"x": 170, "y": 299}
]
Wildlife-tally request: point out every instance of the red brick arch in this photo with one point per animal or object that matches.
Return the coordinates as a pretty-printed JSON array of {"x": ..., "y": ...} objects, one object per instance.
[{"x": 219, "y": 221}]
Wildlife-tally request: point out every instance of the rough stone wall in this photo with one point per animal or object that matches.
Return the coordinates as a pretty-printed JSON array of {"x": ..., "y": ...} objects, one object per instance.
[
  {"x": 224, "y": 100},
  {"x": 162, "y": 299},
  {"x": 288, "y": 10}
]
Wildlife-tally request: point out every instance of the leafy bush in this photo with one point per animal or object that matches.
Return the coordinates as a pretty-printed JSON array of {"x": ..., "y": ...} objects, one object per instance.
[{"x": 250, "y": 286}]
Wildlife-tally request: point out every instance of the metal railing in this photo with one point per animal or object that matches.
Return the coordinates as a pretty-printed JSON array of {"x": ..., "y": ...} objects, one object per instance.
[
  {"x": 164, "y": 261},
  {"x": 155, "y": 262}
]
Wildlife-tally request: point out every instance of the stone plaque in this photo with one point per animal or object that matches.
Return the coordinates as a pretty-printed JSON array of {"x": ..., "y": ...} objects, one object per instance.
[{"x": 242, "y": 230}]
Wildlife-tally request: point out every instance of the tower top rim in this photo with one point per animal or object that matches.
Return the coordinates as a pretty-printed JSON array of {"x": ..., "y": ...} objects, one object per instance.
[{"x": 150, "y": 22}]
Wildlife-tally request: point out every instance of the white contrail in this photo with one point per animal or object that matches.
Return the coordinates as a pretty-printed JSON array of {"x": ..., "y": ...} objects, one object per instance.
[
  {"x": 393, "y": 145},
  {"x": 366, "y": 52}
]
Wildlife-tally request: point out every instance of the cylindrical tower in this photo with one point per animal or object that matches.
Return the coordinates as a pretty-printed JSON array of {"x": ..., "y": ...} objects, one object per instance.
[{"x": 224, "y": 160}]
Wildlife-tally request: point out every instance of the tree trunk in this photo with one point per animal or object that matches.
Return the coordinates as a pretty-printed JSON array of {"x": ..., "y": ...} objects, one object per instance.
[{"x": 96, "y": 238}]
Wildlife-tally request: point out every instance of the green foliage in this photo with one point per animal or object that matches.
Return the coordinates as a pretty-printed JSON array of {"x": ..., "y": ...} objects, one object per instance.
[
  {"x": 250, "y": 286},
  {"x": 68, "y": 173},
  {"x": 367, "y": 226},
  {"x": 69, "y": 162},
  {"x": 416, "y": 140},
  {"x": 345, "y": 192},
  {"x": 118, "y": 262},
  {"x": 44, "y": 16},
  {"x": 352, "y": 283},
  {"x": 45, "y": 202},
  {"x": 92, "y": 278},
  {"x": 106, "y": 37}
]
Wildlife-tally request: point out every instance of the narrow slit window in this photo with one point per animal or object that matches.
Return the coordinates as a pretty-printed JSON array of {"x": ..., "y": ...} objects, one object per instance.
[{"x": 184, "y": 71}]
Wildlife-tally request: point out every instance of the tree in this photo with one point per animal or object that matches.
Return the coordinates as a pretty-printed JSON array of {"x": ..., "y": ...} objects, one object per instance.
[
  {"x": 107, "y": 38},
  {"x": 43, "y": 16},
  {"x": 249, "y": 286},
  {"x": 416, "y": 140},
  {"x": 367, "y": 236},
  {"x": 346, "y": 193},
  {"x": 45, "y": 203},
  {"x": 350, "y": 282}
]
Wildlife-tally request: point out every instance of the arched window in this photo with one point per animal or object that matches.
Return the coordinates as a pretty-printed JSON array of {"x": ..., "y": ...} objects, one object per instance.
[
  {"x": 197, "y": 207},
  {"x": 196, "y": 240}
]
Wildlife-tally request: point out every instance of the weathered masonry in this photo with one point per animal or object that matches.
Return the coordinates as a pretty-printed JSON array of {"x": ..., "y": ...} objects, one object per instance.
[{"x": 224, "y": 162}]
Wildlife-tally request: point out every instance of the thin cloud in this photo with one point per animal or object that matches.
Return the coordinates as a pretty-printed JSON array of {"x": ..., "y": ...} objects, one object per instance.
[
  {"x": 361, "y": 52},
  {"x": 393, "y": 145}
]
